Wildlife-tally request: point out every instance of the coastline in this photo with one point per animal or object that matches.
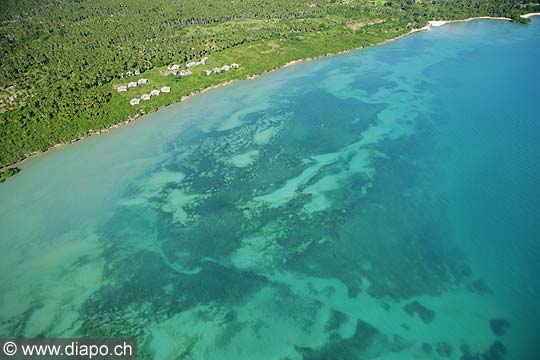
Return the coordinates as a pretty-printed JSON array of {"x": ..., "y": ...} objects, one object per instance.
[
  {"x": 437, "y": 23},
  {"x": 432, "y": 23},
  {"x": 529, "y": 15}
]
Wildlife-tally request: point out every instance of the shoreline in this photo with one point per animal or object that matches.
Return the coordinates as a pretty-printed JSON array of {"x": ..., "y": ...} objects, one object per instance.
[
  {"x": 529, "y": 15},
  {"x": 437, "y": 23},
  {"x": 432, "y": 23}
]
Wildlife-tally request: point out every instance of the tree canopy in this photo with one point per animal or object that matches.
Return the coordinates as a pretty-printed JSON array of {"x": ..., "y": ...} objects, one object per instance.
[{"x": 61, "y": 59}]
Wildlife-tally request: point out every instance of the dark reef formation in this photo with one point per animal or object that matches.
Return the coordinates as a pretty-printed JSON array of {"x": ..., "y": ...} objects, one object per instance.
[
  {"x": 479, "y": 287},
  {"x": 427, "y": 348},
  {"x": 499, "y": 326},
  {"x": 444, "y": 349},
  {"x": 427, "y": 315},
  {"x": 496, "y": 351},
  {"x": 366, "y": 343}
]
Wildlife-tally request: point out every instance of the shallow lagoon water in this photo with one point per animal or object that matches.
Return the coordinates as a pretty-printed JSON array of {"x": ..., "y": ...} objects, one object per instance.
[{"x": 379, "y": 204}]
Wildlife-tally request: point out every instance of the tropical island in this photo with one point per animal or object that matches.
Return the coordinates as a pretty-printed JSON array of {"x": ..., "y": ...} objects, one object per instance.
[
  {"x": 70, "y": 69},
  {"x": 380, "y": 203}
]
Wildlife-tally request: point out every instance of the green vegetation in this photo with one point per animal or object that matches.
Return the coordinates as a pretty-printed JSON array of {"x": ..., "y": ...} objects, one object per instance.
[
  {"x": 61, "y": 59},
  {"x": 9, "y": 172}
]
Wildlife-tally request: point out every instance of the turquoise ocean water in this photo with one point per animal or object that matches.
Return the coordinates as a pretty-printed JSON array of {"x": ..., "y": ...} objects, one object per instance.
[{"x": 382, "y": 204}]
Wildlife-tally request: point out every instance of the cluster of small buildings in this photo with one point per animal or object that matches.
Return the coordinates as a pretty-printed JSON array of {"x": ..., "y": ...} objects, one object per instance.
[
  {"x": 223, "y": 68},
  {"x": 130, "y": 73},
  {"x": 175, "y": 69},
  {"x": 145, "y": 97},
  {"x": 200, "y": 62},
  {"x": 131, "y": 84},
  {"x": 172, "y": 69}
]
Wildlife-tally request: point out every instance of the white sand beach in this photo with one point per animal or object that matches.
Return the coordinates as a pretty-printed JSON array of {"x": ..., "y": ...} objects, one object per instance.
[{"x": 527, "y": 16}]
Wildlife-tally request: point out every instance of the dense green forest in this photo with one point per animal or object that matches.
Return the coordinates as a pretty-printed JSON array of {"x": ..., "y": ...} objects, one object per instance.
[{"x": 63, "y": 59}]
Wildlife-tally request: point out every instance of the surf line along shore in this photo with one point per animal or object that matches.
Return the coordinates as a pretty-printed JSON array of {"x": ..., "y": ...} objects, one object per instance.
[
  {"x": 436, "y": 23},
  {"x": 432, "y": 23}
]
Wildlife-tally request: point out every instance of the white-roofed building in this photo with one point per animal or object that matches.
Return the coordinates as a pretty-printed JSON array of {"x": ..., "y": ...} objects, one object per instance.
[
  {"x": 142, "y": 81},
  {"x": 203, "y": 60},
  {"x": 208, "y": 72},
  {"x": 185, "y": 72},
  {"x": 137, "y": 72},
  {"x": 191, "y": 63},
  {"x": 173, "y": 67},
  {"x": 145, "y": 97},
  {"x": 165, "y": 89},
  {"x": 122, "y": 88},
  {"x": 135, "y": 101},
  {"x": 132, "y": 84},
  {"x": 235, "y": 66},
  {"x": 225, "y": 68},
  {"x": 154, "y": 92},
  {"x": 216, "y": 70}
]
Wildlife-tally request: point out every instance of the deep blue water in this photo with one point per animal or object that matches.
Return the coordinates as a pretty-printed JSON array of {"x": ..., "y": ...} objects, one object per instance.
[{"x": 379, "y": 204}]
